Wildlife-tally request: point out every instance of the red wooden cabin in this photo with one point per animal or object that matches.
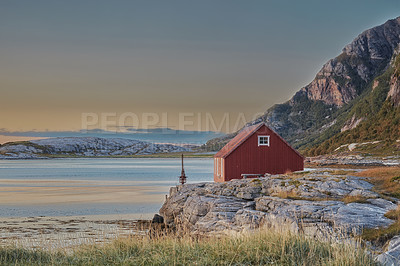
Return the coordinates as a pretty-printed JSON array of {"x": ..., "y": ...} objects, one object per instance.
[{"x": 255, "y": 151}]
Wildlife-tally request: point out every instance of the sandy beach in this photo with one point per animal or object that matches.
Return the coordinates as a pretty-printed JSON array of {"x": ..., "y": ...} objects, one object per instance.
[
  {"x": 5, "y": 139},
  {"x": 69, "y": 231}
]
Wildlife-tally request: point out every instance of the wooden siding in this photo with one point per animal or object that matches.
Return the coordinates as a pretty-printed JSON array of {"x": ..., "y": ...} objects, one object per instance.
[
  {"x": 219, "y": 169},
  {"x": 249, "y": 158}
]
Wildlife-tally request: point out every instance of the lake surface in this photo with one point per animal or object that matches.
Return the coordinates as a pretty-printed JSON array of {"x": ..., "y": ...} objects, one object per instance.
[{"x": 64, "y": 187}]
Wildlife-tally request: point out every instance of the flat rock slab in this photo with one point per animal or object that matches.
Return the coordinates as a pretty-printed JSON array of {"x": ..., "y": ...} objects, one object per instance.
[
  {"x": 209, "y": 208},
  {"x": 392, "y": 256}
]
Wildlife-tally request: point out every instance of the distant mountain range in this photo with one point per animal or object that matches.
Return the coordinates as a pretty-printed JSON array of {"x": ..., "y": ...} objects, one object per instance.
[
  {"x": 154, "y": 135},
  {"x": 355, "y": 97},
  {"x": 84, "y": 147}
]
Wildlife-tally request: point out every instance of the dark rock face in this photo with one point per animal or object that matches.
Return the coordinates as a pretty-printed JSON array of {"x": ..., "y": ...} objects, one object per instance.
[
  {"x": 377, "y": 43},
  {"x": 157, "y": 219}
]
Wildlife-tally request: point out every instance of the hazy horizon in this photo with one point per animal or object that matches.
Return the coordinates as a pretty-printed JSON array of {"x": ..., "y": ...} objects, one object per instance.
[
  {"x": 63, "y": 59},
  {"x": 153, "y": 135}
]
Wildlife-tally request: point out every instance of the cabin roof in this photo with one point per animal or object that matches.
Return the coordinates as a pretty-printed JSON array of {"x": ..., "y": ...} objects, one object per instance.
[
  {"x": 237, "y": 140},
  {"x": 242, "y": 136}
]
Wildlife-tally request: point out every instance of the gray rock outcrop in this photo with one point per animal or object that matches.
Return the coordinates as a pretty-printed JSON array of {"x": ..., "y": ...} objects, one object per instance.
[
  {"x": 320, "y": 204},
  {"x": 312, "y": 202},
  {"x": 355, "y": 160},
  {"x": 392, "y": 255}
]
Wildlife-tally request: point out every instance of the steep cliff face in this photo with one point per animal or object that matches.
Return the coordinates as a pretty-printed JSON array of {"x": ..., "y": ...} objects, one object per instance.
[
  {"x": 373, "y": 117},
  {"x": 394, "y": 92},
  {"x": 352, "y": 86},
  {"x": 343, "y": 78}
]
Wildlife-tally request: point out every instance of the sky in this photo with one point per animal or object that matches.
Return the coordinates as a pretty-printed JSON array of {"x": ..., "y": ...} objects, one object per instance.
[{"x": 72, "y": 65}]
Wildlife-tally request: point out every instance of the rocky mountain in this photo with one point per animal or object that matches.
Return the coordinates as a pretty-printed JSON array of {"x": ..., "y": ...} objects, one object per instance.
[
  {"x": 83, "y": 147},
  {"x": 346, "y": 93},
  {"x": 343, "y": 78}
]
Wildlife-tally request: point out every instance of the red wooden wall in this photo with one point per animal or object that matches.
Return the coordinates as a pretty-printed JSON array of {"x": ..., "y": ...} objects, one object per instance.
[{"x": 249, "y": 158}]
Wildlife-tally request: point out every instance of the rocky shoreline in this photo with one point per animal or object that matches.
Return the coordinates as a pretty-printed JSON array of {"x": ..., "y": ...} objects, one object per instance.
[
  {"x": 322, "y": 203},
  {"x": 353, "y": 160},
  {"x": 85, "y": 147}
]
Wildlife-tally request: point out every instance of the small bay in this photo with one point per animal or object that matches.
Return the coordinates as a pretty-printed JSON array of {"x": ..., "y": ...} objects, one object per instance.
[{"x": 93, "y": 186}]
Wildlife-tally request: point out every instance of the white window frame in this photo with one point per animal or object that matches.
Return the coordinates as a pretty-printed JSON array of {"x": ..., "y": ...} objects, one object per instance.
[{"x": 264, "y": 144}]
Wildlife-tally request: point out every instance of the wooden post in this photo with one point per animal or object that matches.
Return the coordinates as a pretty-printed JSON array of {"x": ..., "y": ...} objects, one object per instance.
[{"x": 182, "y": 178}]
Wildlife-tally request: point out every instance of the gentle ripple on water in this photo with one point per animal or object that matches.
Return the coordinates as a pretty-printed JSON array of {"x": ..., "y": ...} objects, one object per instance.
[{"x": 157, "y": 173}]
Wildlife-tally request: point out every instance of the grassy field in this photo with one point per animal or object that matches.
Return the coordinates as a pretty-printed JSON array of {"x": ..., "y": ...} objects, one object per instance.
[
  {"x": 385, "y": 179},
  {"x": 266, "y": 246}
]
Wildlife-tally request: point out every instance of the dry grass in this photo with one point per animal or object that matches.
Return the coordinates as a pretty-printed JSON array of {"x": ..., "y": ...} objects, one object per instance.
[
  {"x": 385, "y": 179},
  {"x": 385, "y": 172},
  {"x": 266, "y": 246},
  {"x": 287, "y": 195},
  {"x": 295, "y": 196},
  {"x": 357, "y": 199},
  {"x": 295, "y": 175},
  {"x": 393, "y": 214},
  {"x": 342, "y": 172}
]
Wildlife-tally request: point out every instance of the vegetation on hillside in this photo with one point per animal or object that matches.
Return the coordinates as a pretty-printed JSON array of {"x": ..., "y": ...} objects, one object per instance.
[
  {"x": 381, "y": 120},
  {"x": 385, "y": 179}
]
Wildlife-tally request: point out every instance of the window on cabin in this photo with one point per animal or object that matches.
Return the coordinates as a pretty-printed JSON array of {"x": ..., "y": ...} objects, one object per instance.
[{"x": 263, "y": 140}]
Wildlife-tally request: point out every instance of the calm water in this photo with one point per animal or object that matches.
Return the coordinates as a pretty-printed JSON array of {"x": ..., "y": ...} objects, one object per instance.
[{"x": 154, "y": 175}]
